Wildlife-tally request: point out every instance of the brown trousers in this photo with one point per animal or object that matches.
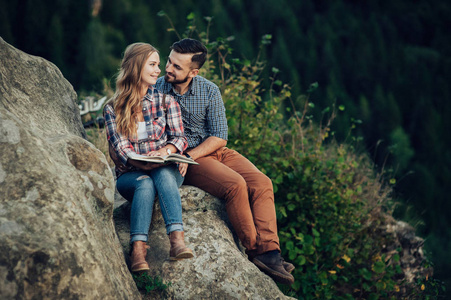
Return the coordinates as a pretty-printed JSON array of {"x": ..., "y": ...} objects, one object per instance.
[{"x": 248, "y": 194}]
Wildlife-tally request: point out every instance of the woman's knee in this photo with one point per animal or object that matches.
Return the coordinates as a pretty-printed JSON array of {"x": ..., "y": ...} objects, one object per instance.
[
  {"x": 144, "y": 182},
  {"x": 166, "y": 176}
]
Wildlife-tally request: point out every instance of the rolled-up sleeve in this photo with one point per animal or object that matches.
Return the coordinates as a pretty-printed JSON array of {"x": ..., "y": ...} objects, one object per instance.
[
  {"x": 174, "y": 128},
  {"x": 121, "y": 144},
  {"x": 216, "y": 115}
]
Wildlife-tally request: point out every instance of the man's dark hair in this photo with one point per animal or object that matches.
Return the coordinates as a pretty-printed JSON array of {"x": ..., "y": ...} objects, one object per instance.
[{"x": 192, "y": 46}]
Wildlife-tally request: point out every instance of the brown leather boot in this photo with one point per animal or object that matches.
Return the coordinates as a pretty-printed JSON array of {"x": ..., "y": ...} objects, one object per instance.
[
  {"x": 178, "y": 249},
  {"x": 138, "y": 257},
  {"x": 271, "y": 263},
  {"x": 289, "y": 267}
]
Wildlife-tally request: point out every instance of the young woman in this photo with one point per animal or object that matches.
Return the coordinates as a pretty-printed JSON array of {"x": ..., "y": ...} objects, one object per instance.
[{"x": 141, "y": 120}]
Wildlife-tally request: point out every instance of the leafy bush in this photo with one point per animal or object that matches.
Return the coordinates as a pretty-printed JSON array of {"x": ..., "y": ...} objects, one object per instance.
[{"x": 148, "y": 284}]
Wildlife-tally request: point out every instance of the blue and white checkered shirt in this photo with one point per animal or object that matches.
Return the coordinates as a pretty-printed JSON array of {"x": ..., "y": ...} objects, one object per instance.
[{"x": 203, "y": 110}]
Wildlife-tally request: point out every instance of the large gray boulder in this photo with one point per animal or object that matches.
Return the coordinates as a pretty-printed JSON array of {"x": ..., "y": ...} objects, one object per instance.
[
  {"x": 57, "y": 238},
  {"x": 219, "y": 269}
]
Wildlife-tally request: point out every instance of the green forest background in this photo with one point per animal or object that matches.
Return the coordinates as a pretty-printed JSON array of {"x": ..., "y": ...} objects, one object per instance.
[{"x": 387, "y": 62}]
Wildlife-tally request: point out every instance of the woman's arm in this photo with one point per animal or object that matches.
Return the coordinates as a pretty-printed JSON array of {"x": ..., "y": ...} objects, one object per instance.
[
  {"x": 119, "y": 146},
  {"x": 176, "y": 139}
]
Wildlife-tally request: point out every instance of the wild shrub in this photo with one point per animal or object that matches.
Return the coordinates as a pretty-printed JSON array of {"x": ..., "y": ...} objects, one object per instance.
[{"x": 148, "y": 284}]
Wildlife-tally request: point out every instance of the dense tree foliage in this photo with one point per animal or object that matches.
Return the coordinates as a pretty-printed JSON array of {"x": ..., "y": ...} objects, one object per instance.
[{"x": 388, "y": 63}]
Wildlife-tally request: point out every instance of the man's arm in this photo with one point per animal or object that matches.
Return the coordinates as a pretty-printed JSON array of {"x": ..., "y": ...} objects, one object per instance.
[
  {"x": 216, "y": 123},
  {"x": 210, "y": 145}
]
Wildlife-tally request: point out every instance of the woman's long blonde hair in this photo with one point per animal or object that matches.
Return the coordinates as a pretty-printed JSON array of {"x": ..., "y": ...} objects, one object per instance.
[{"x": 127, "y": 99}]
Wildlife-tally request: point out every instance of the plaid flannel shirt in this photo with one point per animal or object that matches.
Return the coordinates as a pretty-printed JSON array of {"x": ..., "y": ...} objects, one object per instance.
[
  {"x": 161, "y": 129},
  {"x": 202, "y": 108}
]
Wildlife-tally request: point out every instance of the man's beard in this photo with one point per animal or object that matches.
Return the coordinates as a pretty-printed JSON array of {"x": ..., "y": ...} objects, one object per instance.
[{"x": 173, "y": 80}]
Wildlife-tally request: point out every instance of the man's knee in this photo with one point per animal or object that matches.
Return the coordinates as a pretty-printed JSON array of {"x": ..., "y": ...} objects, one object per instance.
[
  {"x": 236, "y": 188},
  {"x": 266, "y": 181}
]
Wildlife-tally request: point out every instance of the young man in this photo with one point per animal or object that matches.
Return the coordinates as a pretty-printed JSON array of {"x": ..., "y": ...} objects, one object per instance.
[{"x": 223, "y": 172}]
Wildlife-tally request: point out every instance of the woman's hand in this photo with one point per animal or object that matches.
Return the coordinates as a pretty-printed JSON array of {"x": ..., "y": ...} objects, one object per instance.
[
  {"x": 155, "y": 153},
  {"x": 183, "y": 167}
]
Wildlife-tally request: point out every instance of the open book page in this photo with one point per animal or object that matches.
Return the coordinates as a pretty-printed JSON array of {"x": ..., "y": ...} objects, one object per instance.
[{"x": 173, "y": 157}]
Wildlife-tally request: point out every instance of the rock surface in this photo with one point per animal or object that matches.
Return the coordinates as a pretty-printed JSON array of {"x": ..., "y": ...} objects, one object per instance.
[
  {"x": 404, "y": 242},
  {"x": 219, "y": 270},
  {"x": 57, "y": 238},
  {"x": 37, "y": 94}
]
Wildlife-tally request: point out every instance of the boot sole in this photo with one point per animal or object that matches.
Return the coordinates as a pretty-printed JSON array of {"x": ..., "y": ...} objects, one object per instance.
[
  {"x": 140, "y": 269},
  {"x": 182, "y": 255},
  {"x": 277, "y": 276}
]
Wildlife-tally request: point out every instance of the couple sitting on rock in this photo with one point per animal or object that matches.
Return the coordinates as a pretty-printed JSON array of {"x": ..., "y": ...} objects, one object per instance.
[{"x": 183, "y": 113}]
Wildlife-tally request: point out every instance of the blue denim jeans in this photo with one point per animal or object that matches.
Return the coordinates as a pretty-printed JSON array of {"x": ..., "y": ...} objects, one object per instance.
[{"x": 140, "y": 188}]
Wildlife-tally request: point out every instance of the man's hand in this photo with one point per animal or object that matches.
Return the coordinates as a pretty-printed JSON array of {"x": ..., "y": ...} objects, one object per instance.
[
  {"x": 210, "y": 145},
  {"x": 183, "y": 167}
]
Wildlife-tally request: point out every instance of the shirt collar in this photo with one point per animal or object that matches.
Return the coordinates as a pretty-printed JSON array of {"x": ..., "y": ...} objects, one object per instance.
[
  {"x": 194, "y": 82},
  {"x": 165, "y": 87},
  {"x": 191, "y": 91},
  {"x": 149, "y": 94}
]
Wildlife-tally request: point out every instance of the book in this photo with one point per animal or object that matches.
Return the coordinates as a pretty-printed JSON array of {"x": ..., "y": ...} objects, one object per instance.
[{"x": 173, "y": 157}]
